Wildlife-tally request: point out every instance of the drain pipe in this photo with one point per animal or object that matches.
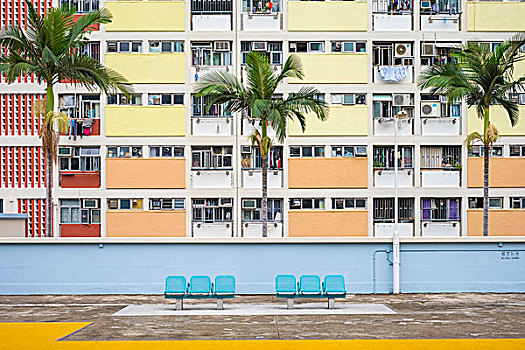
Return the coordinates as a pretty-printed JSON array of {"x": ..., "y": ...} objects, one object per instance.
[{"x": 386, "y": 251}]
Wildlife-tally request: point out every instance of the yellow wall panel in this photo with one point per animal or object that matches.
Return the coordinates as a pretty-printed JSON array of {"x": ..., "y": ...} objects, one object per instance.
[
  {"x": 503, "y": 172},
  {"x": 138, "y": 223},
  {"x": 495, "y": 16},
  {"x": 328, "y": 223},
  {"x": 328, "y": 172},
  {"x": 502, "y": 222},
  {"x": 333, "y": 68},
  {"x": 150, "y": 68},
  {"x": 341, "y": 121},
  {"x": 146, "y": 173},
  {"x": 333, "y": 16},
  {"x": 499, "y": 117},
  {"x": 146, "y": 16},
  {"x": 145, "y": 121}
]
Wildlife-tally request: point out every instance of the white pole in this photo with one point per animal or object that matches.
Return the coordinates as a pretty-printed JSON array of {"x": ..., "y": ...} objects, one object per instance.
[{"x": 395, "y": 240}]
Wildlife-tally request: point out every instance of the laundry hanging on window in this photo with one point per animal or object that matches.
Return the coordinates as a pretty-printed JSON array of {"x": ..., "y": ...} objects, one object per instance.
[{"x": 393, "y": 73}]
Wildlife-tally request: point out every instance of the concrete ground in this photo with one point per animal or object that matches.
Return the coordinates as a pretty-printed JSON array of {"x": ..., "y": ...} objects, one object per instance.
[{"x": 419, "y": 316}]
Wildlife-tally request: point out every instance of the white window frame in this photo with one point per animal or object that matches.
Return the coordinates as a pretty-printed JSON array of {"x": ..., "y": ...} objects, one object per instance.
[
  {"x": 478, "y": 151},
  {"x": 84, "y": 159},
  {"x": 317, "y": 203},
  {"x": 348, "y": 203},
  {"x": 167, "y": 204},
  {"x": 212, "y": 210},
  {"x": 157, "y": 99},
  {"x": 313, "y": 149},
  {"x": 133, "y": 203},
  {"x": 348, "y": 151},
  {"x": 175, "y": 151},
  {"x": 135, "y": 46},
  {"x": 255, "y": 213},
  {"x": 175, "y": 46},
  {"x": 210, "y": 159},
  {"x": 134, "y": 151}
]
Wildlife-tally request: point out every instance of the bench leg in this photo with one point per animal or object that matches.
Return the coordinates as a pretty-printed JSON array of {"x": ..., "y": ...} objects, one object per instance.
[
  {"x": 289, "y": 303},
  {"x": 331, "y": 303},
  {"x": 178, "y": 304},
  {"x": 220, "y": 304}
]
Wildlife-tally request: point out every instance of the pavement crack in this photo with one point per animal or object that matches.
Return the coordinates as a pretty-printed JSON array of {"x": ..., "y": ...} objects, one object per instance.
[{"x": 277, "y": 328}]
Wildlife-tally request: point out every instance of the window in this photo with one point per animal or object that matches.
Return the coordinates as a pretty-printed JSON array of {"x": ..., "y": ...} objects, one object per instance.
[
  {"x": 201, "y": 108},
  {"x": 124, "y": 152},
  {"x": 306, "y": 46},
  {"x": 211, "y": 54},
  {"x": 211, "y": 210},
  {"x": 251, "y": 210},
  {"x": 435, "y": 54},
  {"x": 517, "y": 202},
  {"x": 83, "y": 6},
  {"x": 440, "y": 209},
  {"x": 433, "y": 106},
  {"x": 387, "y": 106},
  {"x": 166, "y": 46},
  {"x": 211, "y": 157},
  {"x": 348, "y": 99},
  {"x": 392, "y": 54},
  {"x": 79, "y": 106},
  {"x": 260, "y": 6},
  {"x": 440, "y": 157},
  {"x": 125, "y": 204},
  {"x": 477, "y": 203},
  {"x": 479, "y": 151},
  {"x": 348, "y": 203},
  {"x": 430, "y": 7},
  {"x": 166, "y": 151},
  {"x": 307, "y": 203},
  {"x": 121, "y": 99},
  {"x": 92, "y": 49},
  {"x": 521, "y": 97},
  {"x": 1, "y": 205},
  {"x": 384, "y": 157},
  {"x": 167, "y": 204},
  {"x": 211, "y": 6},
  {"x": 252, "y": 159},
  {"x": 165, "y": 99},
  {"x": 273, "y": 50},
  {"x": 348, "y": 151},
  {"x": 348, "y": 46},
  {"x": 384, "y": 210},
  {"x": 392, "y": 7},
  {"x": 307, "y": 151},
  {"x": 517, "y": 150},
  {"x": 79, "y": 158},
  {"x": 124, "y": 46},
  {"x": 80, "y": 211}
]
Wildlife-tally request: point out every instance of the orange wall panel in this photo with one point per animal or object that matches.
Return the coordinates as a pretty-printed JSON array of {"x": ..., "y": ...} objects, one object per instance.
[
  {"x": 328, "y": 223},
  {"x": 146, "y": 173},
  {"x": 79, "y": 230},
  {"x": 79, "y": 179},
  {"x": 328, "y": 173},
  {"x": 146, "y": 223},
  {"x": 502, "y": 222},
  {"x": 503, "y": 172}
]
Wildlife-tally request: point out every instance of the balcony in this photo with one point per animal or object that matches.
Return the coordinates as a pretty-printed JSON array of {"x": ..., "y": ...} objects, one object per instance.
[
  {"x": 441, "y": 229},
  {"x": 441, "y": 126},
  {"x": 499, "y": 118},
  {"x": 79, "y": 230},
  {"x": 201, "y": 70},
  {"x": 502, "y": 222},
  {"x": 212, "y": 178},
  {"x": 393, "y": 74},
  {"x": 254, "y": 229},
  {"x": 146, "y": 16},
  {"x": 440, "y": 178},
  {"x": 385, "y": 127},
  {"x": 385, "y": 178},
  {"x": 249, "y": 125},
  {"x": 386, "y": 229},
  {"x": 328, "y": 223},
  {"x": 138, "y": 223},
  {"x": 328, "y": 173},
  {"x": 211, "y": 22},
  {"x": 145, "y": 173},
  {"x": 150, "y": 68},
  {"x": 503, "y": 172},
  {"x": 252, "y": 178},
  {"x": 145, "y": 121},
  {"x": 211, "y": 126},
  {"x": 342, "y": 121},
  {"x": 497, "y": 16},
  {"x": 78, "y": 179},
  {"x": 332, "y": 68},
  {"x": 257, "y": 21},
  {"x": 327, "y": 16},
  {"x": 440, "y": 22},
  {"x": 212, "y": 230}
]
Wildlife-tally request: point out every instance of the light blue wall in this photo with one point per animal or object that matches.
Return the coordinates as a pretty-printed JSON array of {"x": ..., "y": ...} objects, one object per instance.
[{"x": 141, "y": 268}]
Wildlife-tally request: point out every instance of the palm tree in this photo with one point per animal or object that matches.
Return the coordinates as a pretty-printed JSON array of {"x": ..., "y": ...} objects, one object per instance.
[
  {"x": 484, "y": 77},
  {"x": 51, "y": 49},
  {"x": 257, "y": 99}
]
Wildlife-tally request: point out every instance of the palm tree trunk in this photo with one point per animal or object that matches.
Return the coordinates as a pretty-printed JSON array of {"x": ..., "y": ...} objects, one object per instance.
[
  {"x": 264, "y": 200},
  {"x": 486, "y": 156},
  {"x": 50, "y": 106}
]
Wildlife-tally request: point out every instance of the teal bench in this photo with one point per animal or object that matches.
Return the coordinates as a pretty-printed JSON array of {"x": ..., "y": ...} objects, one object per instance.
[
  {"x": 310, "y": 286},
  {"x": 200, "y": 287}
]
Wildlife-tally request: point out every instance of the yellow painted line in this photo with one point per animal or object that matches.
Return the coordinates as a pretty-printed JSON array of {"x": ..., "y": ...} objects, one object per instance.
[{"x": 44, "y": 336}]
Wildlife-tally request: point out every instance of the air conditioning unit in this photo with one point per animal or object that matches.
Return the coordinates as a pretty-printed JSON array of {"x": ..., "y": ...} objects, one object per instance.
[
  {"x": 89, "y": 203},
  {"x": 217, "y": 149},
  {"x": 225, "y": 202},
  {"x": 221, "y": 46},
  {"x": 259, "y": 46},
  {"x": 401, "y": 100},
  {"x": 246, "y": 149},
  {"x": 428, "y": 50},
  {"x": 426, "y": 5},
  {"x": 65, "y": 151},
  {"x": 249, "y": 204},
  {"x": 403, "y": 50},
  {"x": 430, "y": 109}
]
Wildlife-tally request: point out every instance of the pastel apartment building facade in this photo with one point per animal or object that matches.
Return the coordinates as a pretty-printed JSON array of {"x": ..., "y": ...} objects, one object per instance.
[{"x": 160, "y": 164}]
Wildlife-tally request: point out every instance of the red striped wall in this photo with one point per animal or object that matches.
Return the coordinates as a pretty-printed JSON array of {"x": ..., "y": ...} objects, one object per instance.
[
  {"x": 16, "y": 114},
  {"x": 36, "y": 209},
  {"x": 22, "y": 167}
]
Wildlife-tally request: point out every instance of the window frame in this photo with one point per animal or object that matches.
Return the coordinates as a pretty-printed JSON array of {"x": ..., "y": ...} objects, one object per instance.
[
  {"x": 317, "y": 203},
  {"x": 137, "y": 150}
]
